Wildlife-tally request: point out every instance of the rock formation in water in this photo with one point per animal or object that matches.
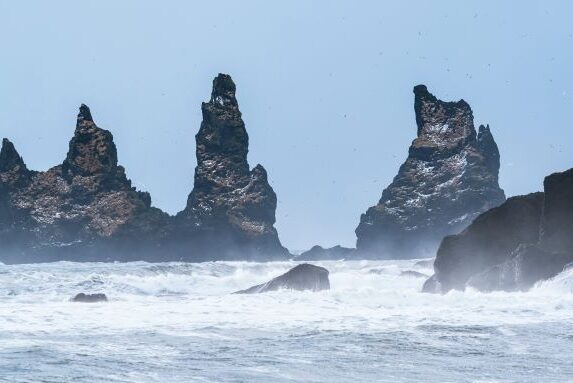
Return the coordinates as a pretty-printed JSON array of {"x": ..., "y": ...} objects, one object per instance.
[
  {"x": 513, "y": 246},
  {"x": 302, "y": 277},
  {"x": 231, "y": 211},
  {"x": 86, "y": 209},
  {"x": 448, "y": 179},
  {"x": 319, "y": 253},
  {"x": 89, "y": 298},
  {"x": 83, "y": 209},
  {"x": 487, "y": 241}
]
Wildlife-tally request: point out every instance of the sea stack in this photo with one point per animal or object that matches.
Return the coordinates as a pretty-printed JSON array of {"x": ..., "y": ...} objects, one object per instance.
[
  {"x": 84, "y": 209},
  {"x": 231, "y": 211},
  {"x": 448, "y": 179}
]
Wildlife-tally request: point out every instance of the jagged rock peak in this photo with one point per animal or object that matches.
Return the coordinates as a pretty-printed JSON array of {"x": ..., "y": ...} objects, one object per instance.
[
  {"x": 436, "y": 118},
  {"x": 91, "y": 150},
  {"x": 84, "y": 114},
  {"x": 223, "y": 93},
  {"x": 9, "y": 157},
  {"x": 230, "y": 203},
  {"x": 448, "y": 179}
]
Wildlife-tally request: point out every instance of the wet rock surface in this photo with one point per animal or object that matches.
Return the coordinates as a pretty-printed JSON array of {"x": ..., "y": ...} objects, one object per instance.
[
  {"x": 448, "y": 179},
  {"x": 489, "y": 240},
  {"x": 302, "y": 277},
  {"x": 513, "y": 246}
]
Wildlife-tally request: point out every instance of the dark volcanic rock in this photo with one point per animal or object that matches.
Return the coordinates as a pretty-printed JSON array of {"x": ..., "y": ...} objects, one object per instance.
[
  {"x": 302, "y": 277},
  {"x": 488, "y": 241},
  {"x": 557, "y": 220},
  {"x": 13, "y": 170},
  {"x": 448, "y": 179},
  {"x": 84, "y": 209},
  {"x": 89, "y": 298},
  {"x": 231, "y": 211},
  {"x": 527, "y": 265},
  {"x": 523, "y": 241},
  {"x": 319, "y": 253}
]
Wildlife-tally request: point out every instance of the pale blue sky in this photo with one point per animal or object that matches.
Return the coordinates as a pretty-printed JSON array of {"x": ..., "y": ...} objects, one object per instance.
[{"x": 325, "y": 88}]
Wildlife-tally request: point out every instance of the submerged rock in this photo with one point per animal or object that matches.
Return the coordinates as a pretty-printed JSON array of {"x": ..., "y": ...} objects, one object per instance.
[
  {"x": 413, "y": 274},
  {"x": 425, "y": 263},
  {"x": 89, "y": 298},
  {"x": 448, "y": 179},
  {"x": 302, "y": 277},
  {"x": 319, "y": 253},
  {"x": 231, "y": 211}
]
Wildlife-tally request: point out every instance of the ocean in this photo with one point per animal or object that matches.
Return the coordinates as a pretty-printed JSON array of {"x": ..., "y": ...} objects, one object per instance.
[{"x": 180, "y": 322}]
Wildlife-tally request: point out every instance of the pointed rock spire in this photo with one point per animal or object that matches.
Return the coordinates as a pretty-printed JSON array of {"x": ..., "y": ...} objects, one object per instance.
[
  {"x": 13, "y": 170},
  {"x": 91, "y": 150},
  {"x": 223, "y": 93},
  {"x": 229, "y": 201},
  {"x": 449, "y": 177},
  {"x": 436, "y": 118},
  {"x": 9, "y": 157},
  {"x": 488, "y": 148},
  {"x": 84, "y": 114}
]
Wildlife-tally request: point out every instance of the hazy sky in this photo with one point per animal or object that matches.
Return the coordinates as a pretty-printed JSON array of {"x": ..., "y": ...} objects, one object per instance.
[{"x": 325, "y": 88}]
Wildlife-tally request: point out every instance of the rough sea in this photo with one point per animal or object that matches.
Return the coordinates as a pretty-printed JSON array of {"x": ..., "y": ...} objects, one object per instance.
[{"x": 179, "y": 322}]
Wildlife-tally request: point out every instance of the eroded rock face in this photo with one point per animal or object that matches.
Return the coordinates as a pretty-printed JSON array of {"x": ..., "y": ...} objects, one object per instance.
[
  {"x": 513, "y": 246},
  {"x": 231, "y": 211},
  {"x": 84, "y": 209},
  {"x": 448, "y": 179},
  {"x": 302, "y": 277}
]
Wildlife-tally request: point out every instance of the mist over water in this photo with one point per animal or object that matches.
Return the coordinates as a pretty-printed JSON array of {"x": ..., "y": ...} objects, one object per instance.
[{"x": 179, "y": 322}]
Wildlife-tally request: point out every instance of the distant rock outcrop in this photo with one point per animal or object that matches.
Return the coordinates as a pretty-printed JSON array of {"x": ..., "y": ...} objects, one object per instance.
[
  {"x": 448, "y": 179},
  {"x": 87, "y": 210},
  {"x": 302, "y": 277},
  {"x": 84, "y": 209},
  {"x": 231, "y": 211},
  {"x": 513, "y": 246},
  {"x": 319, "y": 253}
]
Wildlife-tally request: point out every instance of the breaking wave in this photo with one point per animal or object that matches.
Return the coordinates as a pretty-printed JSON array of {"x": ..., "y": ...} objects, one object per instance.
[{"x": 373, "y": 325}]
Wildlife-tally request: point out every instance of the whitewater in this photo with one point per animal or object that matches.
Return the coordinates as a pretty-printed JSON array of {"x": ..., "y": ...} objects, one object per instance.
[{"x": 180, "y": 322}]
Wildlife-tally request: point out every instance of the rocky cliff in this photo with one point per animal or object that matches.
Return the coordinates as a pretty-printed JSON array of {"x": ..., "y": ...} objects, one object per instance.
[
  {"x": 448, "y": 179},
  {"x": 83, "y": 209},
  {"x": 231, "y": 211},
  {"x": 513, "y": 246}
]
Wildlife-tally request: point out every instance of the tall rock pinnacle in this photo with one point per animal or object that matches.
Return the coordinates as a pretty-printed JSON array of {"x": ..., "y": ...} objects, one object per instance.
[
  {"x": 92, "y": 150},
  {"x": 448, "y": 179},
  {"x": 13, "y": 170},
  {"x": 232, "y": 206}
]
